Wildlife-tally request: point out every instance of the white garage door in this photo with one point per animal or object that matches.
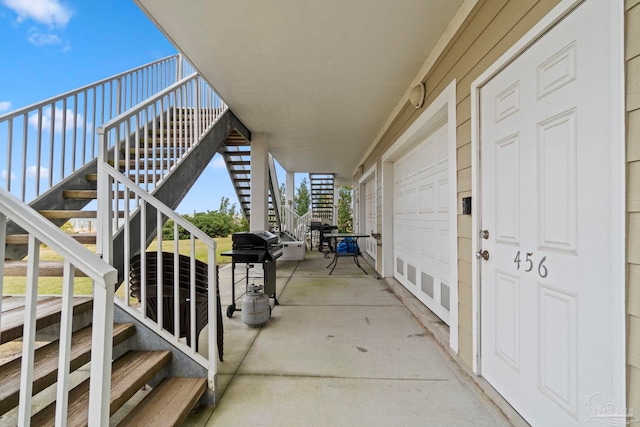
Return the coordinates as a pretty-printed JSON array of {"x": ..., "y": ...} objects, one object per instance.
[
  {"x": 421, "y": 222},
  {"x": 548, "y": 328}
]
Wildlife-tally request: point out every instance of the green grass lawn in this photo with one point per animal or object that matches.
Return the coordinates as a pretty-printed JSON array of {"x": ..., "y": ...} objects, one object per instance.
[{"x": 53, "y": 285}]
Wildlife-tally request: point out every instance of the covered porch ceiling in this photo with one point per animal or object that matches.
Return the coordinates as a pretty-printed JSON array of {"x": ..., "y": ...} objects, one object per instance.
[{"x": 319, "y": 78}]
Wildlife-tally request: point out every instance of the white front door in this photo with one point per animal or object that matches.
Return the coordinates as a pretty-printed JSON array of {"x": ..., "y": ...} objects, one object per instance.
[
  {"x": 547, "y": 315},
  {"x": 370, "y": 217},
  {"x": 421, "y": 222}
]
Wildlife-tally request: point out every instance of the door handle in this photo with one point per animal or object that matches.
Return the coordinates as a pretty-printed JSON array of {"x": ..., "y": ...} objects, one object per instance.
[{"x": 484, "y": 255}]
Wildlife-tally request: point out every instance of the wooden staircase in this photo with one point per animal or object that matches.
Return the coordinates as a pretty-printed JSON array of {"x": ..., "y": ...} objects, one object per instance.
[
  {"x": 322, "y": 188},
  {"x": 148, "y": 162},
  {"x": 170, "y": 401}
]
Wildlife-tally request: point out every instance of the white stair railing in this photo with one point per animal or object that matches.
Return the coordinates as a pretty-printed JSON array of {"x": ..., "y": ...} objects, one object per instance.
[
  {"x": 48, "y": 141},
  {"x": 149, "y": 140},
  {"x": 176, "y": 119},
  {"x": 295, "y": 225},
  {"x": 148, "y": 207},
  {"x": 104, "y": 277}
]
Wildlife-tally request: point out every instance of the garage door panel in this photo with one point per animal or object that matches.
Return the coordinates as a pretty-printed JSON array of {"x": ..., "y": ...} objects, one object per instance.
[
  {"x": 443, "y": 193},
  {"x": 421, "y": 246},
  {"x": 426, "y": 194}
]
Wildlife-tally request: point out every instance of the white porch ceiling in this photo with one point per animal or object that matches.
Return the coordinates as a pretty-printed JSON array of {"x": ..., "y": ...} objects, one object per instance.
[{"x": 319, "y": 78}]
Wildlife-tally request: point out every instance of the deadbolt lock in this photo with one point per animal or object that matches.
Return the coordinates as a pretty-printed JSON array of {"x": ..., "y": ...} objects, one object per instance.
[
  {"x": 484, "y": 234},
  {"x": 484, "y": 255}
]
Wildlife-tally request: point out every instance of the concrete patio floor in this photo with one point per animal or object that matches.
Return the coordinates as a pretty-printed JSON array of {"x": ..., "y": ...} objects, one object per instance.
[{"x": 339, "y": 350}]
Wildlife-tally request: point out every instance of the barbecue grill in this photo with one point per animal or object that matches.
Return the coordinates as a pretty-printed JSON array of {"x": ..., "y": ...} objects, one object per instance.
[{"x": 250, "y": 248}]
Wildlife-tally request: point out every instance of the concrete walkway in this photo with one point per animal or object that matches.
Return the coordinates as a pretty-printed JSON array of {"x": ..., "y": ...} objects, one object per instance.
[{"x": 339, "y": 350}]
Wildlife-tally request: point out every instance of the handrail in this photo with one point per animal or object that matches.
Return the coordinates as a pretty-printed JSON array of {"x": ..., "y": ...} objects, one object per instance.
[
  {"x": 144, "y": 207},
  {"x": 136, "y": 151},
  {"x": 75, "y": 257},
  {"x": 166, "y": 210},
  {"x": 49, "y": 140},
  {"x": 29, "y": 108},
  {"x": 190, "y": 99},
  {"x": 63, "y": 244},
  {"x": 295, "y": 225}
]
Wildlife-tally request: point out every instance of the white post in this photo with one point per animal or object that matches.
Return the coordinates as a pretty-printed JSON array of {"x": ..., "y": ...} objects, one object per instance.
[
  {"x": 259, "y": 182},
  {"x": 101, "y": 353},
  {"x": 336, "y": 194},
  {"x": 3, "y": 237},
  {"x": 29, "y": 333},
  {"x": 290, "y": 189},
  {"x": 101, "y": 341}
]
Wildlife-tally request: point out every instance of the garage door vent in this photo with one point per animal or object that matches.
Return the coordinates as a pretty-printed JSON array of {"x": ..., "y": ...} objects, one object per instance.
[
  {"x": 427, "y": 284},
  {"x": 411, "y": 273},
  {"x": 400, "y": 266},
  {"x": 445, "y": 296}
]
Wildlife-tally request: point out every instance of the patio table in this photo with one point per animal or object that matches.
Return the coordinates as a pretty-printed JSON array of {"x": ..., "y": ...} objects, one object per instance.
[{"x": 354, "y": 254}]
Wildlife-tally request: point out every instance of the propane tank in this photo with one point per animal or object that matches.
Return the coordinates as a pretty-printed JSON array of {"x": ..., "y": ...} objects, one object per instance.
[{"x": 255, "y": 306}]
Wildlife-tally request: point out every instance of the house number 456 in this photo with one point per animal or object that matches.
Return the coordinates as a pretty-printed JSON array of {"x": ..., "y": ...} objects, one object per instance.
[{"x": 528, "y": 264}]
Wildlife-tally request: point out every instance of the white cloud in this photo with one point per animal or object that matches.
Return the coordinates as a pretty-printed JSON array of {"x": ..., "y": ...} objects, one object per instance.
[
  {"x": 5, "y": 106},
  {"x": 46, "y": 119},
  {"x": 3, "y": 175},
  {"x": 217, "y": 162},
  {"x": 41, "y": 39},
  {"x": 31, "y": 172},
  {"x": 47, "y": 12}
]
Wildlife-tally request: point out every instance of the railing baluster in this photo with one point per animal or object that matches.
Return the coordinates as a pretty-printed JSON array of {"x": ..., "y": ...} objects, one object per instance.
[
  {"x": 64, "y": 349},
  {"x": 38, "y": 151},
  {"x": 192, "y": 294},
  {"x": 3, "y": 239},
  {"x": 63, "y": 153},
  {"x": 160, "y": 270},
  {"x": 176, "y": 282},
  {"x": 9, "y": 158},
  {"x": 29, "y": 332},
  {"x": 93, "y": 121},
  {"x": 75, "y": 132},
  {"x": 143, "y": 258},
  {"x": 52, "y": 138},
  {"x": 212, "y": 292},
  {"x": 84, "y": 128},
  {"x": 25, "y": 134}
]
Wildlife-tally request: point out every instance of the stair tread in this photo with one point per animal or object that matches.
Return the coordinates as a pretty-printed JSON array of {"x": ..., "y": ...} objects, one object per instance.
[
  {"x": 168, "y": 404},
  {"x": 129, "y": 373},
  {"x": 67, "y": 213},
  {"x": 47, "y": 313},
  {"x": 46, "y": 364},
  {"x": 80, "y": 194},
  {"x": 18, "y": 268},
  {"x": 23, "y": 239}
]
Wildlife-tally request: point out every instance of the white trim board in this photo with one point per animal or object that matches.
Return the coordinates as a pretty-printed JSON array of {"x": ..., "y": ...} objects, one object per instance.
[
  {"x": 371, "y": 175},
  {"x": 441, "y": 110}
]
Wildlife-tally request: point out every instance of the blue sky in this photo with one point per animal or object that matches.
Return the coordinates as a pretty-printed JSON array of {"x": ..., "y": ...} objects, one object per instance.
[{"x": 53, "y": 46}]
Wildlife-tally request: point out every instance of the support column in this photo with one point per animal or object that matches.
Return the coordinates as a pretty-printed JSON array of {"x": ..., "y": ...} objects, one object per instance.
[
  {"x": 290, "y": 186},
  {"x": 259, "y": 182},
  {"x": 336, "y": 194}
]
